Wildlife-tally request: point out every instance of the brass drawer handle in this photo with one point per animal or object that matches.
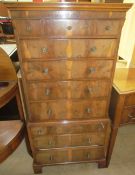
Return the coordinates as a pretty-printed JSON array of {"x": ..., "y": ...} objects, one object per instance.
[
  {"x": 50, "y": 142},
  {"x": 45, "y": 71},
  {"x": 101, "y": 126},
  {"x": 69, "y": 27},
  {"x": 47, "y": 92},
  {"x": 88, "y": 155},
  {"x": 107, "y": 28},
  {"x": 39, "y": 132},
  {"x": 51, "y": 158},
  {"x": 131, "y": 116},
  {"x": 91, "y": 70},
  {"x": 49, "y": 112},
  {"x": 88, "y": 110},
  {"x": 89, "y": 140},
  {"x": 28, "y": 28},
  {"x": 89, "y": 90},
  {"x": 93, "y": 49},
  {"x": 44, "y": 50}
]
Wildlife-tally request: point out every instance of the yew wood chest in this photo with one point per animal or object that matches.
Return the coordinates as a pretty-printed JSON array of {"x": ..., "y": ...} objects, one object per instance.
[{"x": 67, "y": 54}]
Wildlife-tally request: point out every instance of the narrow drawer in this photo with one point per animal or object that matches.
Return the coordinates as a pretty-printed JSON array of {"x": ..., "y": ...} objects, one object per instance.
[
  {"x": 67, "y": 48},
  {"x": 67, "y": 14},
  {"x": 67, "y": 70},
  {"x": 81, "y": 28},
  {"x": 128, "y": 115},
  {"x": 65, "y": 109},
  {"x": 67, "y": 140},
  {"x": 28, "y": 27},
  {"x": 51, "y": 156},
  {"x": 67, "y": 90},
  {"x": 87, "y": 154},
  {"x": 56, "y": 128},
  {"x": 130, "y": 100}
]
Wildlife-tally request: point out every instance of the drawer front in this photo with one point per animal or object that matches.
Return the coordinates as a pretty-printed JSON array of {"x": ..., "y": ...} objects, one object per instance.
[
  {"x": 68, "y": 14},
  {"x": 62, "y": 109},
  {"x": 67, "y": 90},
  {"x": 51, "y": 156},
  {"x": 81, "y": 28},
  {"x": 67, "y": 48},
  {"x": 43, "y": 129},
  {"x": 87, "y": 154},
  {"x": 128, "y": 115},
  {"x": 59, "y": 141},
  {"x": 130, "y": 100},
  {"x": 28, "y": 27},
  {"x": 61, "y": 156},
  {"x": 66, "y": 70}
]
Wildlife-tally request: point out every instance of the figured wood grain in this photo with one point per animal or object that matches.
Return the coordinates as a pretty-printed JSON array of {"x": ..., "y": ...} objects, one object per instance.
[
  {"x": 63, "y": 70},
  {"x": 59, "y": 110},
  {"x": 61, "y": 90},
  {"x": 61, "y": 47},
  {"x": 58, "y": 48}
]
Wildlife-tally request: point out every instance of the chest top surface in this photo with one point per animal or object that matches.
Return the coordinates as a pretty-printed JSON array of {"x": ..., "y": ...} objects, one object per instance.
[{"x": 124, "y": 80}]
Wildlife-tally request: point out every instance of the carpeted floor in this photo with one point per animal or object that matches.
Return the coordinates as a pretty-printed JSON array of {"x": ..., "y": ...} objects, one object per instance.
[{"x": 122, "y": 162}]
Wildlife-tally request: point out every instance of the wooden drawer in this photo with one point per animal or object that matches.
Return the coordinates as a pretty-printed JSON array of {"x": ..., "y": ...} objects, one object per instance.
[
  {"x": 67, "y": 90},
  {"x": 59, "y": 128},
  {"x": 87, "y": 154},
  {"x": 66, "y": 109},
  {"x": 59, "y": 141},
  {"x": 28, "y": 27},
  {"x": 67, "y": 48},
  {"x": 61, "y": 156},
  {"x": 81, "y": 28},
  {"x": 67, "y": 14},
  {"x": 128, "y": 115},
  {"x": 67, "y": 28},
  {"x": 51, "y": 156},
  {"x": 130, "y": 99},
  {"x": 66, "y": 70}
]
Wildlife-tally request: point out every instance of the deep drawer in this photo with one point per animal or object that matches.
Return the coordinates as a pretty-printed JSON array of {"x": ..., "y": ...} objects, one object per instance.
[
  {"x": 76, "y": 155},
  {"x": 66, "y": 109},
  {"x": 69, "y": 28},
  {"x": 68, "y": 140},
  {"x": 67, "y": 48},
  {"x": 67, "y": 70},
  {"x": 68, "y": 90},
  {"x": 57, "y": 128}
]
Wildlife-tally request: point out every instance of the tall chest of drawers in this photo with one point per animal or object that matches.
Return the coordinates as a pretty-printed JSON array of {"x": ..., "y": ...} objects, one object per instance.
[{"x": 67, "y": 54}]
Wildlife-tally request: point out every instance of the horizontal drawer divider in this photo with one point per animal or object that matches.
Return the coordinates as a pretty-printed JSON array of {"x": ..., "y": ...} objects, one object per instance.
[
  {"x": 79, "y": 79},
  {"x": 66, "y": 59},
  {"x": 62, "y": 99},
  {"x": 60, "y": 37},
  {"x": 69, "y": 147},
  {"x": 59, "y": 122}
]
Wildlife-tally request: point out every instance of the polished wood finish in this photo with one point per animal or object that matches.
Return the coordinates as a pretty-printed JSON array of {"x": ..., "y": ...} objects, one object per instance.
[
  {"x": 122, "y": 105},
  {"x": 7, "y": 71},
  {"x": 67, "y": 48},
  {"x": 11, "y": 132},
  {"x": 59, "y": 89},
  {"x": 67, "y": 109},
  {"x": 67, "y": 70},
  {"x": 67, "y": 53}
]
